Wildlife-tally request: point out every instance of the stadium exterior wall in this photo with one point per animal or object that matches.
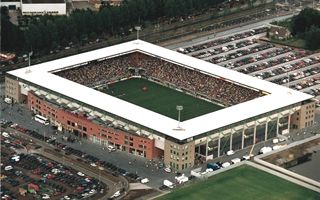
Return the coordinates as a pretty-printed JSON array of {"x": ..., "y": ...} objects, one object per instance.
[{"x": 80, "y": 125}]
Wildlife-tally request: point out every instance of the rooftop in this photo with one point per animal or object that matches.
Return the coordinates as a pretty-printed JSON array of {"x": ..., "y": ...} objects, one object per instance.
[
  {"x": 42, "y": 1},
  {"x": 277, "y": 98}
]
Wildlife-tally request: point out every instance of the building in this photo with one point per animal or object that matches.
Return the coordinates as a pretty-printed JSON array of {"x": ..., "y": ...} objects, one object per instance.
[
  {"x": 106, "y": 120},
  {"x": 279, "y": 33},
  {"x": 37, "y": 7},
  {"x": 11, "y": 4}
]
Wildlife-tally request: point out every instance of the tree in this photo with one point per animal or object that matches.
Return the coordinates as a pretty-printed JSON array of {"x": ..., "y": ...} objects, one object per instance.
[
  {"x": 304, "y": 20},
  {"x": 312, "y": 38},
  {"x": 11, "y": 36}
]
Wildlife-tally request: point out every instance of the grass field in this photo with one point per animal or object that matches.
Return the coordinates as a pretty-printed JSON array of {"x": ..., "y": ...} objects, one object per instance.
[
  {"x": 243, "y": 183},
  {"x": 160, "y": 99}
]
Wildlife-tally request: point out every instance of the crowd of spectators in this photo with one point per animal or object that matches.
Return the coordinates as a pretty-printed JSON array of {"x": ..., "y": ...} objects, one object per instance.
[
  {"x": 96, "y": 73},
  {"x": 210, "y": 87}
]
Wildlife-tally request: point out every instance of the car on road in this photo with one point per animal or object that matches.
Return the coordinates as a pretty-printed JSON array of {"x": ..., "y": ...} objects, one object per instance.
[
  {"x": 80, "y": 174},
  {"x": 226, "y": 164},
  {"x": 235, "y": 160},
  {"x": 145, "y": 180},
  {"x": 230, "y": 152},
  {"x": 264, "y": 150},
  {"x": 116, "y": 194}
]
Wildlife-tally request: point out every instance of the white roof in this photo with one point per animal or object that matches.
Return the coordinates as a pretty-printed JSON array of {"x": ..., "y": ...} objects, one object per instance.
[{"x": 279, "y": 96}]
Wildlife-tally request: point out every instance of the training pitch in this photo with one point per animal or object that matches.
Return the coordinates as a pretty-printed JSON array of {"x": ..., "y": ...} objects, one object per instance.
[
  {"x": 243, "y": 183},
  {"x": 160, "y": 99}
]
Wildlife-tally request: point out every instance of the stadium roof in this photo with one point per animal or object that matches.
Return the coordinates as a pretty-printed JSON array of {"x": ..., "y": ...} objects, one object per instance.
[{"x": 279, "y": 96}]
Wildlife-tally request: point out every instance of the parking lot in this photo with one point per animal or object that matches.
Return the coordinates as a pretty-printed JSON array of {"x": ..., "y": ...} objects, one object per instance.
[
  {"x": 245, "y": 52},
  {"x": 32, "y": 176}
]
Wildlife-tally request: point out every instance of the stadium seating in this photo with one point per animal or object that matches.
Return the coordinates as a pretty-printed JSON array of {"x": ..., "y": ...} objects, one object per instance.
[{"x": 113, "y": 69}]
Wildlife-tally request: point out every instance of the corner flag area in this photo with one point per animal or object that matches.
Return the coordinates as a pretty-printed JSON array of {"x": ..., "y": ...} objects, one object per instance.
[
  {"x": 243, "y": 183},
  {"x": 160, "y": 99}
]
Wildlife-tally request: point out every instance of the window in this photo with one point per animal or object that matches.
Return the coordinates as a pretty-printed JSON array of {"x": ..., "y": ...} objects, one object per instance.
[
  {"x": 68, "y": 122},
  {"x": 84, "y": 128},
  {"x": 131, "y": 143}
]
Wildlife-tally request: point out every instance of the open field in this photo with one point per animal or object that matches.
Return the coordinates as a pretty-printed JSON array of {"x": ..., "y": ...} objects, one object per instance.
[
  {"x": 160, "y": 99},
  {"x": 245, "y": 183}
]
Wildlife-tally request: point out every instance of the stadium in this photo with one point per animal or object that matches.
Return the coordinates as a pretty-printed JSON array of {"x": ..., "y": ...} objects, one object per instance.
[{"x": 156, "y": 103}]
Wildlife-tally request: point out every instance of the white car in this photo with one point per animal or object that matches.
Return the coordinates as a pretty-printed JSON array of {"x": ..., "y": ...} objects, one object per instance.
[
  {"x": 236, "y": 160},
  {"x": 226, "y": 164},
  {"x": 5, "y": 134},
  {"x": 93, "y": 164},
  {"x": 246, "y": 157},
  {"x": 167, "y": 169},
  {"x": 116, "y": 194},
  {"x": 264, "y": 150},
  {"x": 209, "y": 170},
  {"x": 145, "y": 180},
  {"x": 93, "y": 191},
  {"x": 275, "y": 141},
  {"x": 45, "y": 196},
  {"x": 80, "y": 174},
  {"x": 66, "y": 198},
  {"x": 229, "y": 153},
  {"x": 275, "y": 147}
]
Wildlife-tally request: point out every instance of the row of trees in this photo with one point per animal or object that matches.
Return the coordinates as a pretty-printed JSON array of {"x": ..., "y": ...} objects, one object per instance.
[
  {"x": 306, "y": 25},
  {"x": 45, "y": 33}
]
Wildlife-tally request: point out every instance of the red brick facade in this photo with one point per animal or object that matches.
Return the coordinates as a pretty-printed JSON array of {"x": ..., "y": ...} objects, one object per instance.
[{"x": 81, "y": 126}]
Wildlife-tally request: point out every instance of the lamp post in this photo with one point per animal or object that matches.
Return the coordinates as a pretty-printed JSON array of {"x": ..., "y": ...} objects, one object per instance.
[
  {"x": 179, "y": 109},
  {"x": 138, "y": 28}
]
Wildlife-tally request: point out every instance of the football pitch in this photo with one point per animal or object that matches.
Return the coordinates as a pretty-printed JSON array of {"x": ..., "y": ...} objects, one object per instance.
[
  {"x": 160, "y": 99},
  {"x": 243, "y": 183}
]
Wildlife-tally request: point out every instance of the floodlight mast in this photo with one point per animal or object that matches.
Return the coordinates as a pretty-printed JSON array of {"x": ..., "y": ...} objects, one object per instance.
[
  {"x": 179, "y": 109},
  {"x": 138, "y": 28}
]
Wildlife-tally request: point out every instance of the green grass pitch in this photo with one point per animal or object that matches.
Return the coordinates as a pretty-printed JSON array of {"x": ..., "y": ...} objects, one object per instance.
[
  {"x": 243, "y": 183},
  {"x": 160, "y": 99}
]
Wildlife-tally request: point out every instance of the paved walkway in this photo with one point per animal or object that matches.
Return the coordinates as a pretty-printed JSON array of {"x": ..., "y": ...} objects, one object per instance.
[{"x": 138, "y": 186}]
